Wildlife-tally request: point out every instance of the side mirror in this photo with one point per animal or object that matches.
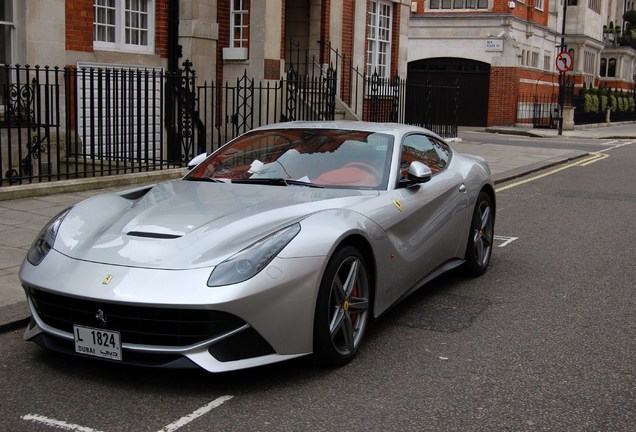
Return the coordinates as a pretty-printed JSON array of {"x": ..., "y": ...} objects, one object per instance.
[
  {"x": 197, "y": 160},
  {"x": 417, "y": 173}
]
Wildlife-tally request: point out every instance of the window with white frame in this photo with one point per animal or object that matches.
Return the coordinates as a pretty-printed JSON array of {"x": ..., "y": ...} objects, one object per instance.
[
  {"x": 458, "y": 4},
  {"x": 547, "y": 61},
  {"x": 239, "y": 24},
  {"x": 538, "y": 4},
  {"x": 608, "y": 67},
  {"x": 627, "y": 69},
  {"x": 534, "y": 60},
  {"x": 7, "y": 39},
  {"x": 589, "y": 67},
  {"x": 379, "y": 20},
  {"x": 126, "y": 25}
]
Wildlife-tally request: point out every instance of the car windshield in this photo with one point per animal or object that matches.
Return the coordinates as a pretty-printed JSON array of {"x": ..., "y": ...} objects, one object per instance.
[{"x": 313, "y": 157}]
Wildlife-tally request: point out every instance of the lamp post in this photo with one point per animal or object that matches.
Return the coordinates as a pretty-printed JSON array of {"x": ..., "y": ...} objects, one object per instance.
[{"x": 562, "y": 47}]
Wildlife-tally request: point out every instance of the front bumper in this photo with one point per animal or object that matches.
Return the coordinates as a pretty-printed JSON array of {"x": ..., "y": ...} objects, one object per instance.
[{"x": 266, "y": 319}]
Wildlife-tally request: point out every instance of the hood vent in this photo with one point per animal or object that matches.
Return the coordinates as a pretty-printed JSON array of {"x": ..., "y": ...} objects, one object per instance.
[{"x": 153, "y": 235}]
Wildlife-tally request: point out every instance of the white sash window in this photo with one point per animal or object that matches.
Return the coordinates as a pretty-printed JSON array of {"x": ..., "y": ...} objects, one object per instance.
[
  {"x": 379, "y": 22},
  {"x": 126, "y": 25}
]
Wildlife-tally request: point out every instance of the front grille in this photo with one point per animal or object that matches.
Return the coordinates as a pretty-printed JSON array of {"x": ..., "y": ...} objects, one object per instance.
[{"x": 137, "y": 324}]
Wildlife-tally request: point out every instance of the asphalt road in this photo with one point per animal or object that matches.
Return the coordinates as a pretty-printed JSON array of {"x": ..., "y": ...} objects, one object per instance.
[{"x": 546, "y": 340}]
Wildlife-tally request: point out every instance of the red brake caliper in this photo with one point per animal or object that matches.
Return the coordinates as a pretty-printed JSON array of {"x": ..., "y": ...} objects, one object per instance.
[{"x": 354, "y": 293}]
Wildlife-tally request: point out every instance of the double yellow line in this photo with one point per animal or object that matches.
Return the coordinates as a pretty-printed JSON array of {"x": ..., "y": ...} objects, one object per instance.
[{"x": 593, "y": 157}]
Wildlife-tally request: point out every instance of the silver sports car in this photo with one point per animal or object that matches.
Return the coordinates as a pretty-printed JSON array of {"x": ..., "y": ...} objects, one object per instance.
[{"x": 286, "y": 241}]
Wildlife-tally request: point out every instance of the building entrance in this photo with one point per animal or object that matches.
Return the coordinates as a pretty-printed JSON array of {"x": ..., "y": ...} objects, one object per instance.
[{"x": 474, "y": 81}]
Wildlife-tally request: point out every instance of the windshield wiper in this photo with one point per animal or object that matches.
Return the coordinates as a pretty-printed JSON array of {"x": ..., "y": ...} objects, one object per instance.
[
  {"x": 204, "y": 179},
  {"x": 276, "y": 181},
  {"x": 304, "y": 183}
]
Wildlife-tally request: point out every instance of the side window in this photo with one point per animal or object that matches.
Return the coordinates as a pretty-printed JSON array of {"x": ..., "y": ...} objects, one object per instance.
[
  {"x": 427, "y": 150},
  {"x": 443, "y": 152}
]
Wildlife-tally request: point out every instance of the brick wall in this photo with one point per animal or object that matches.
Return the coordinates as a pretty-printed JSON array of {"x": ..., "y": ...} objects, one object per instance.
[
  {"x": 538, "y": 82},
  {"x": 348, "y": 12},
  {"x": 502, "y": 96},
  {"x": 223, "y": 14},
  {"x": 161, "y": 28},
  {"x": 283, "y": 7},
  {"x": 79, "y": 25},
  {"x": 524, "y": 11},
  {"x": 325, "y": 8},
  {"x": 395, "y": 39}
]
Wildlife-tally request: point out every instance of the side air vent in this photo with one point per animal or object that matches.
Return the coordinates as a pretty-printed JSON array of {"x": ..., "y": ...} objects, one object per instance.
[
  {"x": 153, "y": 235},
  {"x": 135, "y": 194}
]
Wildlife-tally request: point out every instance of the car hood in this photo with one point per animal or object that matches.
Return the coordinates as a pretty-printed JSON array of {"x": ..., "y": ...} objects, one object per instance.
[{"x": 183, "y": 224}]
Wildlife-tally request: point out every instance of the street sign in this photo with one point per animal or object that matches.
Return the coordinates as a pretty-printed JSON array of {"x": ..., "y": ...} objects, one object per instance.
[{"x": 564, "y": 61}]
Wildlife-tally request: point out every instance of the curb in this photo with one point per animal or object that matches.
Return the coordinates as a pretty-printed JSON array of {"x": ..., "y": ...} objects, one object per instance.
[
  {"x": 12, "y": 317},
  {"x": 84, "y": 184},
  {"x": 539, "y": 166},
  {"x": 532, "y": 133},
  {"x": 514, "y": 131}
]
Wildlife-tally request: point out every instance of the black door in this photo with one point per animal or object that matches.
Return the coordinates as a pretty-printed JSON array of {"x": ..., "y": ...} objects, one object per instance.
[{"x": 474, "y": 80}]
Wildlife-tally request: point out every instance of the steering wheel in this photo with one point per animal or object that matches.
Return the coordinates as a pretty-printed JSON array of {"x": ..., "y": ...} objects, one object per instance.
[{"x": 365, "y": 167}]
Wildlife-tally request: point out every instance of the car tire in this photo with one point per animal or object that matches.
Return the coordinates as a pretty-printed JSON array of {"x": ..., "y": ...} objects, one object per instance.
[
  {"x": 480, "y": 237},
  {"x": 342, "y": 308}
]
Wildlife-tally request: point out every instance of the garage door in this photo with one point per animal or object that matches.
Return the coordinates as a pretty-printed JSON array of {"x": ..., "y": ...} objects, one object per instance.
[{"x": 474, "y": 80}]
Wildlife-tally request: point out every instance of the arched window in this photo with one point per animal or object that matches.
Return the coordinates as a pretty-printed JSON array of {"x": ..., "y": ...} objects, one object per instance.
[
  {"x": 603, "y": 71},
  {"x": 611, "y": 67}
]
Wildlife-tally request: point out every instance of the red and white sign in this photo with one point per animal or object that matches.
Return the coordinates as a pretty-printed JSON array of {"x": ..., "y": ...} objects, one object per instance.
[{"x": 564, "y": 61}]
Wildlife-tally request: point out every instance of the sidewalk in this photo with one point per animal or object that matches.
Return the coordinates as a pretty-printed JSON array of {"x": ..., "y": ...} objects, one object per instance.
[
  {"x": 625, "y": 130},
  {"x": 25, "y": 210}
]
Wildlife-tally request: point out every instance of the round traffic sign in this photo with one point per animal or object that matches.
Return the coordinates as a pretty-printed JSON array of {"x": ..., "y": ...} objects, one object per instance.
[{"x": 564, "y": 61}]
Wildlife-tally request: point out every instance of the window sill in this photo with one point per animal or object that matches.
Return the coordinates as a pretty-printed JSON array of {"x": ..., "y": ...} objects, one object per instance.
[
  {"x": 125, "y": 49},
  {"x": 234, "y": 53}
]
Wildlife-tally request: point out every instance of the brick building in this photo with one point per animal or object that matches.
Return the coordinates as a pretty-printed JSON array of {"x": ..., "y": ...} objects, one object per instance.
[
  {"x": 498, "y": 49},
  {"x": 222, "y": 38},
  {"x": 105, "y": 63},
  {"x": 502, "y": 49}
]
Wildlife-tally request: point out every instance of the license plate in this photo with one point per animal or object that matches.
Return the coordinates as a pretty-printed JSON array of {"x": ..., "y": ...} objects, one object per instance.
[{"x": 97, "y": 342}]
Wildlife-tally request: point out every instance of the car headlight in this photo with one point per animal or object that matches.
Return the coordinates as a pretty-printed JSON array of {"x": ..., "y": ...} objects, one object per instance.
[
  {"x": 44, "y": 241},
  {"x": 251, "y": 260}
]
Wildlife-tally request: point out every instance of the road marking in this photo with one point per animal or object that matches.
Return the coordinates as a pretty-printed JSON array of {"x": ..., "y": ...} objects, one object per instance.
[
  {"x": 59, "y": 424},
  {"x": 599, "y": 158},
  {"x": 610, "y": 142},
  {"x": 196, "y": 414},
  {"x": 506, "y": 240},
  {"x": 618, "y": 146},
  {"x": 594, "y": 157}
]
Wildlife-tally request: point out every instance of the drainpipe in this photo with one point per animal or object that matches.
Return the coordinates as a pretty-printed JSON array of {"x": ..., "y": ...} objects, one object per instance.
[
  {"x": 174, "y": 54},
  {"x": 174, "y": 49}
]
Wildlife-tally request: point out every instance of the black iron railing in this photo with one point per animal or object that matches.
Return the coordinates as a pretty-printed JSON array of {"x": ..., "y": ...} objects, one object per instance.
[
  {"x": 73, "y": 123},
  {"x": 83, "y": 122}
]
